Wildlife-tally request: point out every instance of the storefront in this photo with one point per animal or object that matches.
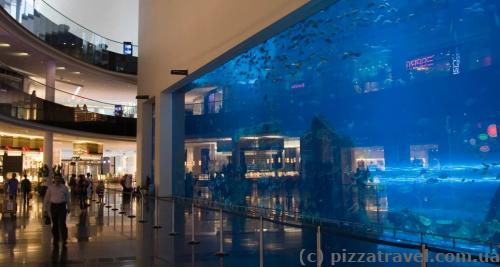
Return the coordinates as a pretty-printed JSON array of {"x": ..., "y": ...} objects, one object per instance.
[
  {"x": 86, "y": 158},
  {"x": 21, "y": 155}
]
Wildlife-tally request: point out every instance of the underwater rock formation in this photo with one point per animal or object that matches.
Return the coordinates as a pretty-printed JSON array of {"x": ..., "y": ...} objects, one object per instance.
[
  {"x": 494, "y": 209},
  {"x": 324, "y": 162},
  {"x": 322, "y": 154},
  {"x": 493, "y": 217}
]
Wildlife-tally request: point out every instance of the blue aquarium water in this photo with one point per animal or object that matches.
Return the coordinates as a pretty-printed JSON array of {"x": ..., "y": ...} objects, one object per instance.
[{"x": 379, "y": 112}]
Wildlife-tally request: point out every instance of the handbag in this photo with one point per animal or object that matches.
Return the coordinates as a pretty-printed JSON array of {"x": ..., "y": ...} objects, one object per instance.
[
  {"x": 10, "y": 206},
  {"x": 46, "y": 219}
]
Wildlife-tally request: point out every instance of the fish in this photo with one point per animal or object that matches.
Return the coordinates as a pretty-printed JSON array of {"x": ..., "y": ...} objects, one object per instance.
[
  {"x": 392, "y": 10},
  {"x": 400, "y": 81},
  {"x": 443, "y": 176},
  {"x": 475, "y": 8},
  {"x": 382, "y": 6},
  {"x": 432, "y": 181},
  {"x": 378, "y": 19},
  {"x": 348, "y": 54}
]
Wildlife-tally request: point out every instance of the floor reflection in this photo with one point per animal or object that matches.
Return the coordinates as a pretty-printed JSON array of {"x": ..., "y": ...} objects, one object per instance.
[{"x": 101, "y": 236}]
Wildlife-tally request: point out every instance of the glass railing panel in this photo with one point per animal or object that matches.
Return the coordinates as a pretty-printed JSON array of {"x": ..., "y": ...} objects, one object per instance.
[
  {"x": 61, "y": 32},
  {"x": 74, "y": 99},
  {"x": 19, "y": 105}
]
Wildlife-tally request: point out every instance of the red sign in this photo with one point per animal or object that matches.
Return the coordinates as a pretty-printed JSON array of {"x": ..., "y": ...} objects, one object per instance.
[{"x": 420, "y": 63}]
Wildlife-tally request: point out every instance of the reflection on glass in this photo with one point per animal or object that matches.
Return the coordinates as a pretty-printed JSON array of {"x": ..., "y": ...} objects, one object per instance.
[{"x": 380, "y": 112}]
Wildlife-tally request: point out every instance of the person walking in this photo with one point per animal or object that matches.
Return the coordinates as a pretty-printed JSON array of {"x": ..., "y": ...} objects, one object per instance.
[
  {"x": 100, "y": 191},
  {"x": 56, "y": 203},
  {"x": 90, "y": 187},
  {"x": 82, "y": 191},
  {"x": 26, "y": 189},
  {"x": 12, "y": 186}
]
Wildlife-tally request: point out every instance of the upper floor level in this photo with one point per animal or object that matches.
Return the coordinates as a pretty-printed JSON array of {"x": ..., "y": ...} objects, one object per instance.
[
  {"x": 60, "y": 32},
  {"x": 22, "y": 103}
]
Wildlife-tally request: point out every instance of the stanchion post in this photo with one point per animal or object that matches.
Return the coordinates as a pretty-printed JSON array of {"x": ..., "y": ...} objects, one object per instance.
[
  {"x": 319, "y": 254},
  {"x": 157, "y": 211},
  {"x": 221, "y": 252},
  {"x": 261, "y": 242},
  {"x": 424, "y": 253},
  {"x": 107, "y": 201},
  {"x": 142, "y": 220},
  {"x": 131, "y": 211},
  {"x": 193, "y": 240},
  {"x": 114, "y": 202},
  {"x": 172, "y": 232},
  {"x": 123, "y": 215}
]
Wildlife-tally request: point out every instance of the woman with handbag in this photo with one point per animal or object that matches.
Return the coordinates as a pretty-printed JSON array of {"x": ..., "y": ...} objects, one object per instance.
[{"x": 56, "y": 203}]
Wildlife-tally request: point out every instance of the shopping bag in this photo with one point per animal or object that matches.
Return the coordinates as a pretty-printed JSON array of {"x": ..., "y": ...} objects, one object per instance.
[
  {"x": 10, "y": 206},
  {"x": 46, "y": 218}
]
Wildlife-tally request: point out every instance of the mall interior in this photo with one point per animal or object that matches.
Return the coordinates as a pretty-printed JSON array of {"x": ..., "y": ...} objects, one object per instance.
[{"x": 249, "y": 133}]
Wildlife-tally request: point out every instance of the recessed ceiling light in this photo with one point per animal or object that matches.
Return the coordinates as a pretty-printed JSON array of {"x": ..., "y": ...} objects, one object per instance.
[
  {"x": 4, "y": 45},
  {"x": 20, "y": 54},
  {"x": 76, "y": 72},
  {"x": 60, "y": 68}
]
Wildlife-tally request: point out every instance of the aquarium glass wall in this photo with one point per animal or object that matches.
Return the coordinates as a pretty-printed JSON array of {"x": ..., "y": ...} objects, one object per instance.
[{"x": 380, "y": 112}]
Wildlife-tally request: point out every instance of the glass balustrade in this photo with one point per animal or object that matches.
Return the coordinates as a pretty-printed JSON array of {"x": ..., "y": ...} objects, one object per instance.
[
  {"x": 77, "y": 112},
  {"x": 66, "y": 35}
]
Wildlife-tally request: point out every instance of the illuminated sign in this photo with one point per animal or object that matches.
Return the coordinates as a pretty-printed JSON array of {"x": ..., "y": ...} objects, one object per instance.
[
  {"x": 455, "y": 63},
  {"x": 423, "y": 63},
  {"x": 118, "y": 110},
  {"x": 298, "y": 85},
  {"x": 127, "y": 48}
]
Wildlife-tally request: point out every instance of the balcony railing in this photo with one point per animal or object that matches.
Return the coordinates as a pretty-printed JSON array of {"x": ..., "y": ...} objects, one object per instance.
[
  {"x": 15, "y": 103},
  {"x": 66, "y": 35}
]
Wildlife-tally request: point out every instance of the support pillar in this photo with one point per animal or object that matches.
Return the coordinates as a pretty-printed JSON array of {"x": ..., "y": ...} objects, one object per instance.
[
  {"x": 48, "y": 141},
  {"x": 145, "y": 141},
  {"x": 169, "y": 144},
  {"x": 50, "y": 81},
  {"x": 48, "y": 149}
]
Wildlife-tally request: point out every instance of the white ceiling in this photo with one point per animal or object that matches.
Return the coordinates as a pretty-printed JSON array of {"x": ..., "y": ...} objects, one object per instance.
[{"x": 95, "y": 85}]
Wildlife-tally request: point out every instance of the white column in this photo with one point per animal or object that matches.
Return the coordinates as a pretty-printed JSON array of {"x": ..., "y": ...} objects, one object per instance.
[
  {"x": 26, "y": 85},
  {"x": 144, "y": 140},
  {"x": 169, "y": 144},
  {"x": 48, "y": 142},
  {"x": 48, "y": 149},
  {"x": 50, "y": 81}
]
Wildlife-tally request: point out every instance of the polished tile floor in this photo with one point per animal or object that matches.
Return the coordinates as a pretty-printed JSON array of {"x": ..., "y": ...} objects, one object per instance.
[{"x": 101, "y": 236}]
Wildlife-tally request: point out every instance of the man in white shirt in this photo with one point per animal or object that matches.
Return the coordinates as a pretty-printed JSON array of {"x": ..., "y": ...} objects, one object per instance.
[{"x": 56, "y": 201}]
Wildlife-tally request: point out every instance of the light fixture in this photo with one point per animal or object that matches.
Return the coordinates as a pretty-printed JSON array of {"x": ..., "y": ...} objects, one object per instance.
[
  {"x": 4, "y": 45},
  {"x": 60, "y": 68},
  {"x": 77, "y": 90},
  {"x": 20, "y": 54},
  {"x": 76, "y": 72}
]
